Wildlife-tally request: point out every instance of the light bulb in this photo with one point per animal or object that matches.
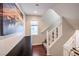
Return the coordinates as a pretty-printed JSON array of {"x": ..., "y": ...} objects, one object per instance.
[{"x": 35, "y": 12}]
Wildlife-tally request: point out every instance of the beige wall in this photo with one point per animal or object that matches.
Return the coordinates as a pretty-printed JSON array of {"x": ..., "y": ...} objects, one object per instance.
[
  {"x": 69, "y": 11},
  {"x": 41, "y": 25},
  {"x": 67, "y": 30}
]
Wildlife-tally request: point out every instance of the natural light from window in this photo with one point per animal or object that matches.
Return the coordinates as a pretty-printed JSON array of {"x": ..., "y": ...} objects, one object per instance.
[{"x": 34, "y": 27}]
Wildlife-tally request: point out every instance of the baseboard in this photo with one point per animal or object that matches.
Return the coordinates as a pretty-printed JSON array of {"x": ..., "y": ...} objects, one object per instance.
[{"x": 37, "y": 44}]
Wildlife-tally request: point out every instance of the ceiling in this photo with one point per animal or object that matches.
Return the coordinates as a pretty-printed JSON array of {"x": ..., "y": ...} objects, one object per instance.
[
  {"x": 70, "y": 11},
  {"x": 30, "y": 8}
]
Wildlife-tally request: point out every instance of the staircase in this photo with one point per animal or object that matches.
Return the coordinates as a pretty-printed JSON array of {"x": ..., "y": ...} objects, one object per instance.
[
  {"x": 54, "y": 29},
  {"x": 52, "y": 36},
  {"x": 45, "y": 43},
  {"x": 57, "y": 33}
]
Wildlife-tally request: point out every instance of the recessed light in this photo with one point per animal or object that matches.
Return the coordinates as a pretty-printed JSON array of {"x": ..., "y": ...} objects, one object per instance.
[{"x": 35, "y": 12}]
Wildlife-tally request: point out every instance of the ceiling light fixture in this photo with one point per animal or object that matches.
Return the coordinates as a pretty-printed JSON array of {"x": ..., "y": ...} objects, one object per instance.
[{"x": 35, "y": 12}]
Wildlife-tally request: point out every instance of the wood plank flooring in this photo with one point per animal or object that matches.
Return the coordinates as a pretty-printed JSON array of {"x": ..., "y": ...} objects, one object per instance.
[{"x": 38, "y": 50}]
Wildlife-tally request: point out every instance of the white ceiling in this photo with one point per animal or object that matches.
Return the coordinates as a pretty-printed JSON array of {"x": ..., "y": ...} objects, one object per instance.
[
  {"x": 29, "y": 8},
  {"x": 69, "y": 11}
]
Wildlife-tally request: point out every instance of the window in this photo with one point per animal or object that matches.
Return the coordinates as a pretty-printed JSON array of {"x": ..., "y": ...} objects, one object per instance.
[{"x": 34, "y": 27}]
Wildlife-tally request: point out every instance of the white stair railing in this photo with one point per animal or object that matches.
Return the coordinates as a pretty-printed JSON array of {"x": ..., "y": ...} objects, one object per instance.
[
  {"x": 54, "y": 28},
  {"x": 53, "y": 35}
]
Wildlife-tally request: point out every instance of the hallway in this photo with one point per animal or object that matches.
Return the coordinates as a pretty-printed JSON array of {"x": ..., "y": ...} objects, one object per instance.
[{"x": 38, "y": 29}]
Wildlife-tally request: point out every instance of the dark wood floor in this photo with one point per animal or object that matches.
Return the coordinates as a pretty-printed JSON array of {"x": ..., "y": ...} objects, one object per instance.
[{"x": 38, "y": 50}]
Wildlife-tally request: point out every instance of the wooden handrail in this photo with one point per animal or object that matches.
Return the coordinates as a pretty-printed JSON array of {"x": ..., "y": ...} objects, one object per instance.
[{"x": 75, "y": 51}]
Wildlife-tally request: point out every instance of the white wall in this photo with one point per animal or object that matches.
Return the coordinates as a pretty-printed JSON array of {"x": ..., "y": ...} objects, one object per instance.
[
  {"x": 9, "y": 42},
  {"x": 51, "y": 18}
]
